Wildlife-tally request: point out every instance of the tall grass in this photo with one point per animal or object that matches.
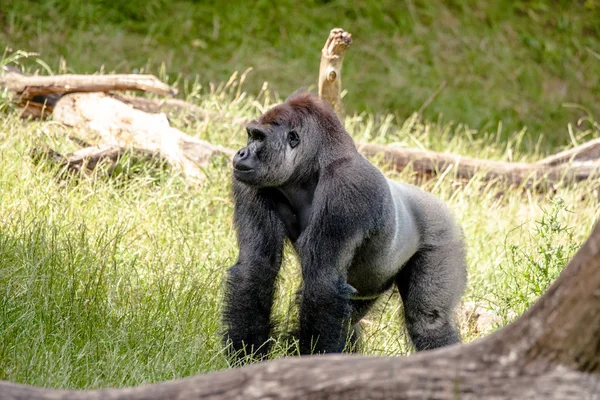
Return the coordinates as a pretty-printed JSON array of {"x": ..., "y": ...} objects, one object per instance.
[{"x": 115, "y": 281}]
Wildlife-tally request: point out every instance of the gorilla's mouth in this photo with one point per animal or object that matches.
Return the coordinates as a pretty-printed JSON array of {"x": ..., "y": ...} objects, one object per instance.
[{"x": 242, "y": 168}]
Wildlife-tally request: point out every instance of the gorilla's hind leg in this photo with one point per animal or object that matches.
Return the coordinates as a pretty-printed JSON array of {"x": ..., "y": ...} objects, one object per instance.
[{"x": 431, "y": 284}]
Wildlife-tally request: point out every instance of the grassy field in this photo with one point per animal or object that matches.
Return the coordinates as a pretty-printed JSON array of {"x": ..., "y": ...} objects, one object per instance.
[
  {"x": 531, "y": 63},
  {"x": 115, "y": 281}
]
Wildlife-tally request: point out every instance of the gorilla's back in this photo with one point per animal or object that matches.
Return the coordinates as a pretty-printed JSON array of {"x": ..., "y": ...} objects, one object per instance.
[{"x": 432, "y": 219}]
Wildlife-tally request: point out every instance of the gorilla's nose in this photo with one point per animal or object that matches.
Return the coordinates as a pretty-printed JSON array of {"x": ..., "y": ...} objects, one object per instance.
[{"x": 242, "y": 154}]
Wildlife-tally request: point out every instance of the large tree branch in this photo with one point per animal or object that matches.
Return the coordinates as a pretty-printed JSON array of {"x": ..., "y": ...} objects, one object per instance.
[{"x": 430, "y": 163}]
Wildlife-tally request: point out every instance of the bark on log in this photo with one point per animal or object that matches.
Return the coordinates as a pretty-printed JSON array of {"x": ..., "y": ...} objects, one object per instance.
[
  {"x": 551, "y": 352},
  {"x": 38, "y": 108},
  {"x": 29, "y": 86},
  {"x": 119, "y": 124},
  {"x": 552, "y": 170},
  {"x": 330, "y": 70}
]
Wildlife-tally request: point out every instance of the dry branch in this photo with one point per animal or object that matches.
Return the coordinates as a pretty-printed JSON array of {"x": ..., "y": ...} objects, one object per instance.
[
  {"x": 589, "y": 151},
  {"x": 551, "y": 352},
  {"x": 29, "y": 86},
  {"x": 430, "y": 163},
  {"x": 330, "y": 70},
  {"x": 121, "y": 125}
]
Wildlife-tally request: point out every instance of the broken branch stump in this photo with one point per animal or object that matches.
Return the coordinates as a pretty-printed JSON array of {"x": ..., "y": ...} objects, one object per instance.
[{"x": 330, "y": 69}]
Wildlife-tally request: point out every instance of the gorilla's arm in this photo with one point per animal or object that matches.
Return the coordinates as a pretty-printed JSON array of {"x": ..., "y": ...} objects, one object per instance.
[
  {"x": 250, "y": 282},
  {"x": 325, "y": 309},
  {"x": 326, "y": 255}
]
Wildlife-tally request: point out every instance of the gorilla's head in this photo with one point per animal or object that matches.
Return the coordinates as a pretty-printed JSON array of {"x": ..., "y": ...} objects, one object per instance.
[{"x": 291, "y": 140}]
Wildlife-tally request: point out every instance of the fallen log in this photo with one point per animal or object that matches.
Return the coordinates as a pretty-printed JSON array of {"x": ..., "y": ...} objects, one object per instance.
[
  {"x": 40, "y": 105},
  {"x": 26, "y": 87},
  {"x": 118, "y": 124},
  {"x": 551, "y": 352},
  {"x": 552, "y": 170}
]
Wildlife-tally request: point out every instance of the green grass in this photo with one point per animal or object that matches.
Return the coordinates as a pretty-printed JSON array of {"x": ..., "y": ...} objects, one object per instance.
[
  {"x": 116, "y": 281},
  {"x": 523, "y": 63}
]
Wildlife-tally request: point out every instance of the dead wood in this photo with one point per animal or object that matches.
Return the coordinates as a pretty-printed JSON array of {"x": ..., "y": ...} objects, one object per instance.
[
  {"x": 330, "y": 70},
  {"x": 589, "y": 151},
  {"x": 39, "y": 101},
  {"x": 26, "y": 87},
  {"x": 551, "y": 352},
  {"x": 429, "y": 163},
  {"x": 37, "y": 108},
  {"x": 119, "y": 124}
]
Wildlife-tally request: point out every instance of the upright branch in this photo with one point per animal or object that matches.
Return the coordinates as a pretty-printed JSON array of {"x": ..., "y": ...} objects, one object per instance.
[{"x": 330, "y": 70}]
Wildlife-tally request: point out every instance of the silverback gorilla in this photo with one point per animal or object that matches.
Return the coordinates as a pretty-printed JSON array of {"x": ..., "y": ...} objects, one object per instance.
[{"x": 356, "y": 234}]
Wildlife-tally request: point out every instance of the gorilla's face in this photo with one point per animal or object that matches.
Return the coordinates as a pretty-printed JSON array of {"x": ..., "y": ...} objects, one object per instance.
[{"x": 271, "y": 157}]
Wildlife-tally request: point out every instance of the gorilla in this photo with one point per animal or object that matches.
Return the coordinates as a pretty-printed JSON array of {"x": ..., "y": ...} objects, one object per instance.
[{"x": 355, "y": 232}]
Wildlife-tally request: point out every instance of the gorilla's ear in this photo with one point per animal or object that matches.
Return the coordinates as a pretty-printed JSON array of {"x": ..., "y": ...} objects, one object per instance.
[{"x": 293, "y": 138}]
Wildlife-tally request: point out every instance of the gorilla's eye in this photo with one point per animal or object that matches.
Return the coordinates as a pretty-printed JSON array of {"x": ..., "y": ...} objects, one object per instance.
[
  {"x": 255, "y": 133},
  {"x": 293, "y": 138}
]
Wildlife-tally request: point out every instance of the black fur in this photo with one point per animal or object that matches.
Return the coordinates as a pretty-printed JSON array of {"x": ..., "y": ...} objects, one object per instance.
[{"x": 356, "y": 234}]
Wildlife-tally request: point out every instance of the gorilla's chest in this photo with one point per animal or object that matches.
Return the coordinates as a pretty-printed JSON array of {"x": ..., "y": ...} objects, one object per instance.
[
  {"x": 294, "y": 207},
  {"x": 295, "y": 220}
]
